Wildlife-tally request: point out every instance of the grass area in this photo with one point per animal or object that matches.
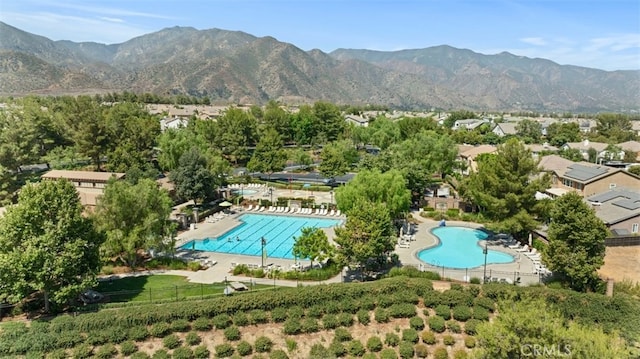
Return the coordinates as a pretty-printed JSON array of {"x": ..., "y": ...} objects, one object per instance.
[{"x": 158, "y": 287}]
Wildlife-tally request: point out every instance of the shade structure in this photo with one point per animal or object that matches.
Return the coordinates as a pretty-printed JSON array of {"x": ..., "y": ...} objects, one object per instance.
[{"x": 225, "y": 204}]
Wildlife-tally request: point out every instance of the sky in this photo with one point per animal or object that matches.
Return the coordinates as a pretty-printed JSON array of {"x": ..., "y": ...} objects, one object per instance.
[{"x": 603, "y": 34}]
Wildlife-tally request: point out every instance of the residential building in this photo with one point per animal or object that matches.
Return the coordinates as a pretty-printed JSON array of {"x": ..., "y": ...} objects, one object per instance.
[
  {"x": 505, "y": 129},
  {"x": 588, "y": 179},
  {"x": 469, "y": 155},
  {"x": 357, "y": 120},
  {"x": 619, "y": 209},
  {"x": 469, "y": 124},
  {"x": 584, "y": 147},
  {"x": 173, "y": 123},
  {"x": 539, "y": 149},
  {"x": 90, "y": 185},
  {"x": 632, "y": 146}
]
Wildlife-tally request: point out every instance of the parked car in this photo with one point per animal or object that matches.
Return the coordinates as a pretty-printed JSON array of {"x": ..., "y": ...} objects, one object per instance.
[{"x": 91, "y": 296}]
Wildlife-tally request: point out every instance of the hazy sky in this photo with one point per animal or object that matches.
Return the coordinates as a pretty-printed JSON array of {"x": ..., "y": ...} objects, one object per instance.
[{"x": 602, "y": 34}]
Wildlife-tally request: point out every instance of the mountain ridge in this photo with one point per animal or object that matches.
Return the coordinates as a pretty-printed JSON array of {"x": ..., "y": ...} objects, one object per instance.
[{"x": 234, "y": 66}]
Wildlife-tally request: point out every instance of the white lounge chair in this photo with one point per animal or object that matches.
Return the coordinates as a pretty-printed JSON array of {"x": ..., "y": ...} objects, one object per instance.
[
  {"x": 515, "y": 246},
  {"x": 338, "y": 213},
  {"x": 261, "y": 209},
  {"x": 523, "y": 249},
  {"x": 332, "y": 213},
  {"x": 250, "y": 207}
]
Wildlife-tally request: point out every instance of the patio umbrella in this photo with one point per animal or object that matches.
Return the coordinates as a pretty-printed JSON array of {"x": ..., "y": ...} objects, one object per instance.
[{"x": 226, "y": 204}]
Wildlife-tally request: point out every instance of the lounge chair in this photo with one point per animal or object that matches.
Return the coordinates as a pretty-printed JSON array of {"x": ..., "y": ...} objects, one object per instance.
[
  {"x": 523, "y": 249},
  {"x": 261, "y": 209},
  {"x": 332, "y": 213},
  {"x": 250, "y": 207},
  {"x": 338, "y": 213},
  {"x": 515, "y": 246}
]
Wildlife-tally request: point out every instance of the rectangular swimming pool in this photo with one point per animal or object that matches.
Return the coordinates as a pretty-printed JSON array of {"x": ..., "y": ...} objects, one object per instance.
[{"x": 246, "y": 238}]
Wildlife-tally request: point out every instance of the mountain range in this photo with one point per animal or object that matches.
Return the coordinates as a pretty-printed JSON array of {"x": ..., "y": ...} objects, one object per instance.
[{"x": 236, "y": 67}]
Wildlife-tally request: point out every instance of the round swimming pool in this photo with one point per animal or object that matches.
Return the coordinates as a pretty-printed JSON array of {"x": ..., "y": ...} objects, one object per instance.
[
  {"x": 461, "y": 248},
  {"x": 245, "y": 192}
]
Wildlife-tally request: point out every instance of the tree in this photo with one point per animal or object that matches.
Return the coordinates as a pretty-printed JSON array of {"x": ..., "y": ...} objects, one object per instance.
[
  {"x": 134, "y": 217},
  {"x": 312, "y": 244},
  {"x": 47, "y": 245},
  {"x": 530, "y": 131},
  {"x": 615, "y": 128},
  {"x": 388, "y": 189},
  {"x": 531, "y": 328},
  {"x": 237, "y": 131},
  {"x": 635, "y": 169},
  {"x": 572, "y": 154},
  {"x": 367, "y": 234},
  {"x": 277, "y": 118},
  {"x": 576, "y": 242},
  {"x": 329, "y": 120},
  {"x": 613, "y": 153},
  {"x": 192, "y": 178},
  {"x": 337, "y": 158},
  {"x": 560, "y": 133},
  {"x": 301, "y": 157},
  {"x": 269, "y": 155},
  {"x": 87, "y": 127}
]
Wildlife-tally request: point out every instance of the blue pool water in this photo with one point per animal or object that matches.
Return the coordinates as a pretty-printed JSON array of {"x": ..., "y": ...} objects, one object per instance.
[
  {"x": 461, "y": 248},
  {"x": 245, "y": 192},
  {"x": 277, "y": 230}
]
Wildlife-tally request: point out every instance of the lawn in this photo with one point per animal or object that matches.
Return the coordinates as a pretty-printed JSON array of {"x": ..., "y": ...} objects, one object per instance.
[{"x": 156, "y": 288}]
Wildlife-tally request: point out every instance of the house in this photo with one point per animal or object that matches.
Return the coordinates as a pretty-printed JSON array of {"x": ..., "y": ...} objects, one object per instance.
[
  {"x": 505, "y": 129},
  {"x": 90, "y": 185},
  {"x": 469, "y": 124},
  {"x": 588, "y": 179},
  {"x": 539, "y": 149},
  {"x": 631, "y": 146},
  {"x": 357, "y": 120},
  {"x": 470, "y": 154},
  {"x": 173, "y": 123},
  {"x": 635, "y": 126},
  {"x": 584, "y": 147},
  {"x": 619, "y": 209}
]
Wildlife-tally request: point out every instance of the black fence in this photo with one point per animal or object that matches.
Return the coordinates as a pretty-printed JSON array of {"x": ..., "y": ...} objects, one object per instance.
[{"x": 622, "y": 241}]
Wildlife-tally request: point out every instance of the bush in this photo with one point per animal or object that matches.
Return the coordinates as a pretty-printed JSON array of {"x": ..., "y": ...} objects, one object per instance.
[
  {"x": 180, "y": 325},
  {"x": 363, "y": 316},
  {"x": 462, "y": 313},
  {"x": 292, "y": 326},
  {"x": 428, "y": 337},
  {"x": 310, "y": 325},
  {"x": 138, "y": 333},
  {"x": 244, "y": 348},
  {"x": 470, "y": 342},
  {"x": 486, "y": 303},
  {"x": 116, "y": 336},
  {"x": 381, "y": 315},
  {"x": 161, "y": 354},
  {"x": 139, "y": 355},
  {"x": 160, "y": 330},
  {"x": 432, "y": 299},
  {"x": 232, "y": 333},
  {"x": 345, "y": 319},
  {"x": 171, "y": 341},
  {"x": 475, "y": 280},
  {"x": 437, "y": 324},
  {"x": 410, "y": 335},
  {"x": 127, "y": 348},
  {"x": 440, "y": 353},
  {"x": 82, "y": 351},
  {"x": 406, "y": 350},
  {"x": 201, "y": 352},
  {"x": 337, "y": 348},
  {"x": 443, "y": 311},
  {"x": 342, "y": 335},
  {"x": 183, "y": 353},
  {"x": 402, "y": 310},
  {"x": 279, "y": 315},
  {"x": 422, "y": 351},
  {"x": 192, "y": 338},
  {"x": 460, "y": 354},
  {"x": 374, "y": 344},
  {"x": 480, "y": 313},
  {"x": 292, "y": 345},
  {"x": 222, "y": 321},
  {"x": 295, "y": 312},
  {"x": 348, "y": 305},
  {"x": 470, "y": 326},
  {"x": 355, "y": 348},
  {"x": 416, "y": 323},
  {"x": 452, "y": 297},
  {"x": 240, "y": 319},
  {"x": 315, "y": 311},
  {"x": 453, "y": 326},
  {"x": 388, "y": 353},
  {"x": 58, "y": 354},
  {"x": 263, "y": 344},
  {"x": 258, "y": 316},
  {"x": 392, "y": 339},
  {"x": 69, "y": 339},
  {"x": 224, "y": 350},
  {"x": 330, "y": 321},
  {"x": 97, "y": 337},
  {"x": 106, "y": 351},
  {"x": 449, "y": 340},
  {"x": 278, "y": 354},
  {"x": 240, "y": 269},
  {"x": 318, "y": 351}
]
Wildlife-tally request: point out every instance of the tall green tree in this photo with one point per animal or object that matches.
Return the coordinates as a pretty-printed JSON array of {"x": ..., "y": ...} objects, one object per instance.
[
  {"x": 269, "y": 156},
  {"x": 388, "y": 189},
  {"x": 236, "y": 132},
  {"x": 576, "y": 242},
  {"x": 277, "y": 118},
  {"x": 330, "y": 122},
  {"x": 312, "y": 244},
  {"x": 47, "y": 246},
  {"x": 134, "y": 217},
  {"x": 572, "y": 154},
  {"x": 192, "y": 178},
  {"x": 614, "y": 127},
  {"x": 368, "y": 234},
  {"x": 85, "y": 121},
  {"x": 337, "y": 158},
  {"x": 560, "y": 133},
  {"x": 529, "y": 131}
]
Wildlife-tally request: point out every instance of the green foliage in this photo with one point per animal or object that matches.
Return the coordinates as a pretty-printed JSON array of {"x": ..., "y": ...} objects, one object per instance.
[
  {"x": 224, "y": 350},
  {"x": 116, "y": 336},
  {"x": 485, "y": 302},
  {"x": 381, "y": 315},
  {"x": 182, "y": 353},
  {"x": 412, "y": 272},
  {"x": 192, "y": 178},
  {"x": 440, "y": 353},
  {"x": 460, "y": 354},
  {"x": 337, "y": 348},
  {"x": 454, "y": 326},
  {"x": 345, "y": 319},
  {"x": 127, "y": 348},
  {"x": 576, "y": 242},
  {"x": 139, "y": 355},
  {"x": 222, "y": 321},
  {"x": 462, "y": 313},
  {"x": 171, "y": 341},
  {"x": 470, "y": 327},
  {"x": 244, "y": 348},
  {"x": 448, "y": 340},
  {"x": 82, "y": 351},
  {"x": 342, "y": 334},
  {"x": 180, "y": 325},
  {"x": 200, "y": 352},
  {"x": 160, "y": 330},
  {"x": 406, "y": 350},
  {"x": 388, "y": 353},
  {"x": 192, "y": 338},
  {"x": 318, "y": 351},
  {"x": 258, "y": 316},
  {"x": 402, "y": 310},
  {"x": 337, "y": 158},
  {"x": 312, "y": 244},
  {"x": 416, "y": 323},
  {"x": 292, "y": 345},
  {"x": 364, "y": 317},
  {"x": 240, "y": 319},
  {"x": 410, "y": 335},
  {"x": 106, "y": 351},
  {"x": 161, "y": 354},
  {"x": 137, "y": 333},
  {"x": 310, "y": 325},
  {"x": 391, "y": 339},
  {"x": 480, "y": 313},
  {"x": 470, "y": 342},
  {"x": 355, "y": 348},
  {"x": 279, "y": 314},
  {"x": 292, "y": 326},
  {"x": 278, "y": 354},
  {"x": 232, "y": 333},
  {"x": 437, "y": 324},
  {"x": 202, "y": 324},
  {"x": 374, "y": 344},
  {"x": 421, "y": 350},
  {"x": 443, "y": 311},
  {"x": 269, "y": 155},
  {"x": 428, "y": 337},
  {"x": 330, "y": 321}
]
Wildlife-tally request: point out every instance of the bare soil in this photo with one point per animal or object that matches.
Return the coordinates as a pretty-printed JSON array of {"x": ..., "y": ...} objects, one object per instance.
[{"x": 621, "y": 263}]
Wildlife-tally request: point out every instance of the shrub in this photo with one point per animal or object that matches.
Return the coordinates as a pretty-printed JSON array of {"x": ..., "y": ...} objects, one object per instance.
[
  {"x": 437, "y": 324},
  {"x": 410, "y": 335},
  {"x": 337, "y": 348},
  {"x": 381, "y": 315},
  {"x": 355, "y": 348},
  {"x": 310, "y": 325},
  {"x": 295, "y": 312},
  {"x": 279, "y": 315},
  {"x": 369, "y": 356},
  {"x": 345, "y": 319},
  {"x": 263, "y": 344},
  {"x": 470, "y": 326},
  {"x": 480, "y": 313},
  {"x": 106, "y": 351},
  {"x": 470, "y": 342},
  {"x": 443, "y": 311},
  {"x": 127, "y": 348},
  {"x": 244, "y": 348},
  {"x": 432, "y": 299},
  {"x": 58, "y": 354},
  {"x": 161, "y": 354},
  {"x": 454, "y": 326},
  {"x": 475, "y": 280},
  {"x": 278, "y": 354},
  {"x": 452, "y": 297},
  {"x": 82, "y": 351},
  {"x": 97, "y": 337},
  {"x": 171, "y": 341},
  {"x": 192, "y": 338},
  {"x": 422, "y": 351},
  {"x": 202, "y": 324},
  {"x": 224, "y": 350},
  {"x": 392, "y": 339},
  {"x": 348, "y": 305},
  {"x": 69, "y": 339},
  {"x": 440, "y": 353},
  {"x": 292, "y": 326},
  {"x": 363, "y": 316},
  {"x": 183, "y": 353},
  {"x": 374, "y": 344},
  {"x": 318, "y": 351},
  {"x": 116, "y": 335},
  {"x": 201, "y": 352},
  {"x": 456, "y": 286},
  {"x": 180, "y": 325},
  {"x": 460, "y": 354},
  {"x": 232, "y": 333},
  {"x": 402, "y": 310},
  {"x": 342, "y": 335},
  {"x": 330, "y": 321},
  {"x": 222, "y": 321},
  {"x": 332, "y": 307},
  {"x": 367, "y": 303},
  {"x": 292, "y": 345},
  {"x": 139, "y": 355},
  {"x": 485, "y": 302},
  {"x": 138, "y": 333},
  {"x": 416, "y": 323},
  {"x": 462, "y": 313},
  {"x": 388, "y": 353},
  {"x": 406, "y": 350},
  {"x": 240, "y": 319},
  {"x": 474, "y": 290},
  {"x": 315, "y": 311},
  {"x": 240, "y": 269},
  {"x": 428, "y": 337},
  {"x": 160, "y": 330},
  {"x": 448, "y": 340},
  {"x": 258, "y": 316}
]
